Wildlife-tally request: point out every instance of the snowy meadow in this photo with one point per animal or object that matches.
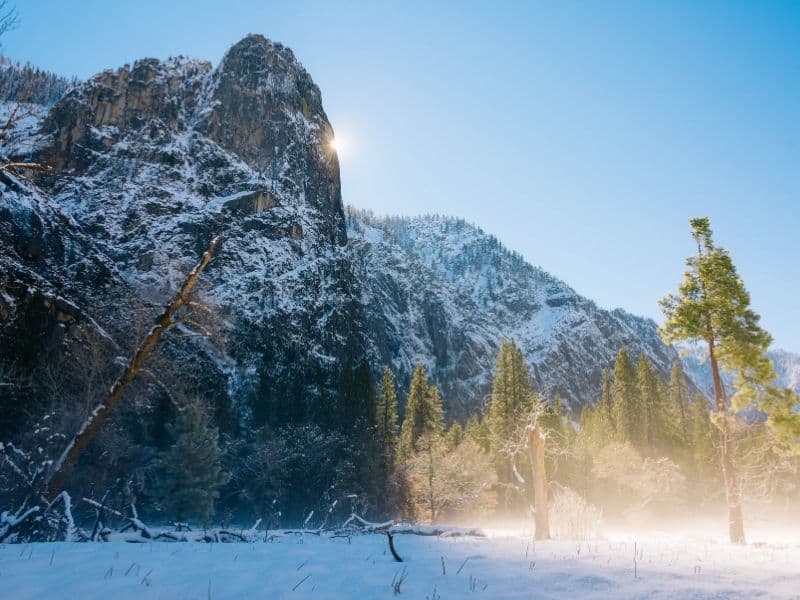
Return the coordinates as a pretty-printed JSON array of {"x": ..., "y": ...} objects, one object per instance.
[{"x": 501, "y": 565}]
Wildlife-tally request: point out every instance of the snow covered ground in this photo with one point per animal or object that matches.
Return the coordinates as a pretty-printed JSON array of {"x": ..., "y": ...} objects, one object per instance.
[{"x": 309, "y": 566}]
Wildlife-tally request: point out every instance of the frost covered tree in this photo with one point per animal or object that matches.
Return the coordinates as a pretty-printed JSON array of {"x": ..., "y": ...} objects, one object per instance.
[
  {"x": 189, "y": 474},
  {"x": 448, "y": 482},
  {"x": 712, "y": 306},
  {"x": 642, "y": 481}
]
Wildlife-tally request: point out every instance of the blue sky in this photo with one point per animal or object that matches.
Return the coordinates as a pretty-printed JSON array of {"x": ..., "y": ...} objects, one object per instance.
[{"x": 583, "y": 135}]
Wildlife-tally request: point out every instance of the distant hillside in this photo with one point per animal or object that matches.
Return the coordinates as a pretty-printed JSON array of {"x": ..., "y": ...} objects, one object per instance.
[
  {"x": 695, "y": 363},
  {"x": 26, "y": 83}
]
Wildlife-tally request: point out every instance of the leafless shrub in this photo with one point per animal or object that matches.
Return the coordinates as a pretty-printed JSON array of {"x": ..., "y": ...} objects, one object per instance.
[{"x": 573, "y": 517}]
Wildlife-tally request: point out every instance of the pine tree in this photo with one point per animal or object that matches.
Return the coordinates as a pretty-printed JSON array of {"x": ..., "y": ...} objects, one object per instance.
[
  {"x": 626, "y": 407},
  {"x": 601, "y": 426},
  {"x": 508, "y": 411},
  {"x": 435, "y": 411},
  {"x": 661, "y": 423},
  {"x": 701, "y": 439},
  {"x": 386, "y": 422},
  {"x": 424, "y": 413},
  {"x": 385, "y": 442},
  {"x": 679, "y": 398},
  {"x": 454, "y": 436},
  {"x": 189, "y": 474},
  {"x": 478, "y": 432},
  {"x": 712, "y": 306},
  {"x": 512, "y": 395}
]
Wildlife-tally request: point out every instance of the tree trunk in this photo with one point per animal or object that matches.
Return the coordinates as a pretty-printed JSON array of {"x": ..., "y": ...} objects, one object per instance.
[
  {"x": 541, "y": 503},
  {"x": 69, "y": 457},
  {"x": 732, "y": 491},
  {"x": 431, "y": 495}
]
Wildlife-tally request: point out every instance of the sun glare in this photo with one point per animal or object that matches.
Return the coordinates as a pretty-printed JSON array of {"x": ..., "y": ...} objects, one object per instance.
[{"x": 336, "y": 145}]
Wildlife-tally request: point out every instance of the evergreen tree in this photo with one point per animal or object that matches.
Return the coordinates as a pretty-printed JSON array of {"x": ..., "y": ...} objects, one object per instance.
[
  {"x": 704, "y": 456},
  {"x": 435, "y": 411},
  {"x": 386, "y": 421},
  {"x": 679, "y": 398},
  {"x": 512, "y": 395},
  {"x": 478, "y": 432},
  {"x": 424, "y": 413},
  {"x": 189, "y": 474},
  {"x": 647, "y": 386},
  {"x": 454, "y": 436},
  {"x": 601, "y": 420},
  {"x": 626, "y": 407},
  {"x": 661, "y": 422},
  {"x": 509, "y": 411},
  {"x": 712, "y": 306}
]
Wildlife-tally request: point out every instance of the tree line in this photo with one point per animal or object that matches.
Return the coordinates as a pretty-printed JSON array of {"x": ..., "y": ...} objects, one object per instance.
[{"x": 647, "y": 445}]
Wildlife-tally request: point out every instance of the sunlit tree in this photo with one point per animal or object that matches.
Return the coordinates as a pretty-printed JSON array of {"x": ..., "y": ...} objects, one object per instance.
[{"x": 712, "y": 306}]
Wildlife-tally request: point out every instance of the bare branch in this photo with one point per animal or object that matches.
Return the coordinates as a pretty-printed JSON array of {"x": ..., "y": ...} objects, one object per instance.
[{"x": 63, "y": 466}]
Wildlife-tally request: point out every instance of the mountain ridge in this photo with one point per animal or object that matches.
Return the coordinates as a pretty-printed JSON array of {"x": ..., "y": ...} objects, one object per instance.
[{"x": 150, "y": 160}]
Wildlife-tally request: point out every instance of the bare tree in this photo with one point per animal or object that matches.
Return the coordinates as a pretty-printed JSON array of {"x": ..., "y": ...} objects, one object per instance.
[
  {"x": 537, "y": 441},
  {"x": 450, "y": 483},
  {"x": 531, "y": 438},
  {"x": 9, "y": 18}
]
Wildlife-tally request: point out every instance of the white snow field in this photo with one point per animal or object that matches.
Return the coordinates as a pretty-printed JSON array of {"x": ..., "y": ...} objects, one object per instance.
[{"x": 319, "y": 567}]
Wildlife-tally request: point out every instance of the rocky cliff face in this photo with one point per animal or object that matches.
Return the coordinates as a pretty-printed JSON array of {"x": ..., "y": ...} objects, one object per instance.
[
  {"x": 442, "y": 290},
  {"x": 149, "y": 161}
]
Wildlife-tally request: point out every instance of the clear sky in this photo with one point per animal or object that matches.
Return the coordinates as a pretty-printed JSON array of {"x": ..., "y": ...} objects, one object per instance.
[{"x": 584, "y": 135}]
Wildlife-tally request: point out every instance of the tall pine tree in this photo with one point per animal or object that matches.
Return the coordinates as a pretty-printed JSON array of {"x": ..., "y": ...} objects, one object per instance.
[
  {"x": 512, "y": 395},
  {"x": 424, "y": 413},
  {"x": 386, "y": 422},
  {"x": 626, "y": 407},
  {"x": 712, "y": 306},
  {"x": 386, "y": 437}
]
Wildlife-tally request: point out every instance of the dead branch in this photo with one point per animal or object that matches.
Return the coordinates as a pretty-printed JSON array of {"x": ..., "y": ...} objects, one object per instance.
[
  {"x": 392, "y": 549},
  {"x": 63, "y": 466}
]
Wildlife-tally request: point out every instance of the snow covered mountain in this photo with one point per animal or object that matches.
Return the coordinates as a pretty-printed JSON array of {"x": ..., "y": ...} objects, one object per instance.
[
  {"x": 149, "y": 161},
  {"x": 440, "y": 289}
]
